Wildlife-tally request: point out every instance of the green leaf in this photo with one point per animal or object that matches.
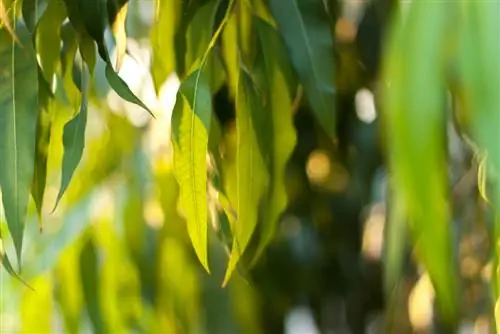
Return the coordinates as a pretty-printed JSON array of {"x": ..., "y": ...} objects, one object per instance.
[
  {"x": 162, "y": 41},
  {"x": 276, "y": 73},
  {"x": 190, "y": 129},
  {"x": 305, "y": 28},
  {"x": 74, "y": 130},
  {"x": 198, "y": 39},
  {"x": 117, "y": 13},
  {"x": 32, "y": 12},
  {"x": 43, "y": 132},
  {"x": 19, "y": 105},
  {"x": 94, "y": 17},
  {"x": 416, "y": 121},
  {"x": 48, "y": 38},
  {"x": 252, "y": 177}
]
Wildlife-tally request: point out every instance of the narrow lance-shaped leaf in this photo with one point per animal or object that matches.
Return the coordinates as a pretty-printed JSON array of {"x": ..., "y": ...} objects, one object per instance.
[
  {"x": 190, "y": 130},
  {"x": 32, "y": 11},
  {"x": 74, "y": 130},
  {"x": 117, "y": 15},
  {"x": 43, "y": 132},
  {"x": 479, "y": 72},
  {"x": 416, "y": 120},
  {"x": 94, "y": 15},
  {"x": 19, "y": 104},
  {"x": 305, "y": 28},
  {"x": 162, "y": 41},
  {"x": 275, "y": 73},
  {"x": 252, "y": 177}
]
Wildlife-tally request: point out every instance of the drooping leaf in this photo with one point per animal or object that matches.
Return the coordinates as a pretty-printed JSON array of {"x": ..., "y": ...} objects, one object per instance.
[
  {"x": 74, "y": 130},
  {"x": 276, "y": 72},
  {"x": 43, "y": 132},
  {"x": 414, "y": 105},
  {"x": 198, "y": 39},
  {"x": 252, "y": 177},
  {"x": 19, "y": 105},
  {"x": 48, "y": 38},
  {"x": 305, "y": 28},
  {"x": 479, "y": 75},
  {"x": 93, "y": 18},
  {"x": 32, "y": 12},
  {"x": 190, "y": 128},
  {"x": 162, "y": 41},
  {"x": 117, "y": 15}
]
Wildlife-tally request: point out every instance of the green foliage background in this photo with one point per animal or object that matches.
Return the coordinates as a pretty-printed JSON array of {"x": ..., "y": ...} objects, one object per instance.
[{"x": 133, "y": 219}]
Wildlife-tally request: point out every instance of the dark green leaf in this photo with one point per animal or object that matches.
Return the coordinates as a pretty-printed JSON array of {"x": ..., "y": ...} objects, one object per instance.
[
  {"x": 32, "y": 12},
  {"x": 305, "y": 28},
  {"x": 74, "y": 130},
  {"x": 19, "y": 105}
]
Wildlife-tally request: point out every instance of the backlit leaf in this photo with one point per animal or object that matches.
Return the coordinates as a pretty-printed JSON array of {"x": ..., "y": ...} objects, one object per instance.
[
  {"x": 305, "y": 28},
  {"x": 19, "y": 105},
  {"x": 191, "y": 120},
  {"x": 252, "y": 177},
  {"x": 162, "y": 41},
  {"x": 117, "y": 12}
]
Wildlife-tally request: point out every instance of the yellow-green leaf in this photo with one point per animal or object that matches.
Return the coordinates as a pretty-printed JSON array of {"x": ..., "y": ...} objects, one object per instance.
[
  {"x": 275, "y": 74},
  {"x": 117, "y": 13},
  {"x": 414, "y": 104},
  {"x": 190, "y": 130},
  {"x": 252, "y": 177},
  {"x": 162, "y": 41}
]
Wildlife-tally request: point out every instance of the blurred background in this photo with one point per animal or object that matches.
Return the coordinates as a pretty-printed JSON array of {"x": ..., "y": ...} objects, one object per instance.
[{"x": 115, "y": 257}]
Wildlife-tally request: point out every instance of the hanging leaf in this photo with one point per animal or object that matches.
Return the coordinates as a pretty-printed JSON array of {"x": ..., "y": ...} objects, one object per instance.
[
  {"x": 117, "y": 15},
  {"x": 190, "y": 128},
  {"x": 305, "y": 28},
  {"x": 93, "y": 18},
  {"x": 252, "y": 178},
  {"x": 276, "y": 71},
  {"x": 48, "y": 38},
  {"x": 162, "y": 41},
  {"x": 43, "y": 132},
  {"x": 416, "y": 122},
  {"x": 19, "y": 105},
  {"x": 32, "y": 12},
  {"x": 74, "y": 130}
]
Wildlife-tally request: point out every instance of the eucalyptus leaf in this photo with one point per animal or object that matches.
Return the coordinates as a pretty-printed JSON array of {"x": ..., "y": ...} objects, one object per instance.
[
  {"x": 252, "y": 177},
  {"x": 74, "y": 130},
  {"x": 191, "y": 121},
  {"x": 305, "y": 27},
  {"x": 18, "y": 119}
]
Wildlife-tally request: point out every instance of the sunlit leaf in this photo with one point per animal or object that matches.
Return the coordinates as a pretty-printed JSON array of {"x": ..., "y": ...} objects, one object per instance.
[
  {"x": 162, "y": 41},
  {"x": 252, "y": 177},
  {"x": 414, "y": 105},
  {"x": 190, "y": 128},
  {"x": 74, "y": 130},
  {"x": 305, "y": 28},
  {"x": 19, "y": 105},
  {"x": 48, "y": 38}
]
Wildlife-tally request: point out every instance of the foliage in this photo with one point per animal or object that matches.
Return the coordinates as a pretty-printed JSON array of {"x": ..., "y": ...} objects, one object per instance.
[{"x": 59, "y": 58}]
